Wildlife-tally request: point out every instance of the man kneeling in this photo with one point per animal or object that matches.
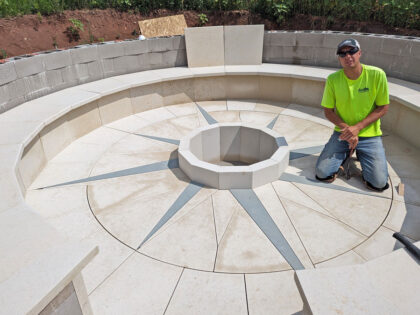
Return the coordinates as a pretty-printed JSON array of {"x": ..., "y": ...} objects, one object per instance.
[{"x": 355, "y": 98}]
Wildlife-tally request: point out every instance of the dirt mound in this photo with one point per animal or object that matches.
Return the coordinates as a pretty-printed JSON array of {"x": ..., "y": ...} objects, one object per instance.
[{"x": 33, "y": 33}]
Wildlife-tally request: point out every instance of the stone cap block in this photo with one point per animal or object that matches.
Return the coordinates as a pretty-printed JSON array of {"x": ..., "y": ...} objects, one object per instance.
[{"x": 7, "y": 73}]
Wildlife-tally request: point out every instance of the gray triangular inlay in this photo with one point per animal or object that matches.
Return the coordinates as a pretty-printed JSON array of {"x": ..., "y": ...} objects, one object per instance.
[{"x": 210, "y": 120}]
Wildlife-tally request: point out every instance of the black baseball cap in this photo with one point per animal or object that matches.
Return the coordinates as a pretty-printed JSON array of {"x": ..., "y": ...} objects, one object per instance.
[{"x": 348, "y": 43}]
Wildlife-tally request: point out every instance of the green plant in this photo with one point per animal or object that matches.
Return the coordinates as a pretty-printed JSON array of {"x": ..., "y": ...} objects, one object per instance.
[
  {"x": 3, "y": 54},
  {"x": 101, "y": 39},
  {"x": 73, "y": 31},
  {"x": 39, "y": 16},
  {"x": 55, "y": 42},
  {"x": 202, "y": 19}
]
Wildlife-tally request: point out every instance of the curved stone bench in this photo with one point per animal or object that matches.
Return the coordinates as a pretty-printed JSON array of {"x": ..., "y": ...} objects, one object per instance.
[{"x": 34, "y": 132}]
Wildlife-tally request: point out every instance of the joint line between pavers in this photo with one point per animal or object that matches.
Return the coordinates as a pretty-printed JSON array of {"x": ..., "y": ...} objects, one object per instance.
[{"x": 173, "y": 292}]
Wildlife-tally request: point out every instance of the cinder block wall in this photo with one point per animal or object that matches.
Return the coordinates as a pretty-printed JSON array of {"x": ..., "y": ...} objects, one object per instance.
[
  {"x": 399, "y": 56},
  {"x": 25, "y": 78}
]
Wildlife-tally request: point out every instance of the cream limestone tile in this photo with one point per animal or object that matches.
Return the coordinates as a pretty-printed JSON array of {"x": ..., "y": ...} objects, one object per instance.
[
  {"x": 225, "y": 206},
  {"x": 404, "y": 165},
  {"x": 183, "y": 109},
  {"x": 315, "y": 133},
  {"x": 102, "y": 136},
  {"x": 245, "y": 248},
  {"x": 363, "y": 213},
  {"x": 226, "y": 116},
  {"x": 201, "y": 120},
  {"x": 305, "y": 144},
  {"x": 256, "y": 118},
  {"x": 208, "y": 293},
  {"x": 275, "y": 89},
  {"x": 189, "y": 242},
  {"x": 273, "y": 293},
  {"x": 185, "y": 124},
  {"x": 178, "y": 92},
  {"x": 139, "y": 286},
  {"x": 11, "y": 193},
  {"x": 205, "y": 46},
  {"x": 32, "y": 162},
  {"x": 115, "y": 106},
  {"x": 83, "y": 120},
  {"x": 243, "y": 44},
  {"x": 19, "y": 133},
  {"x": 378, "y": 244},
  {"x": 67, "y": 210},
  {"x": 349, "y": 258},
  {"x": 242, "y": 87},
  {"x": 30, "y": 236},
  {"x": 155, "y": 115},
  {"x": 307, "y": 92},
  {"x": 322, "y": 236},
  {"x": 105, "y": 87},
  {"x": 207, "y": 89},
  {"x": 270, "y": 106},
  {"x": 165, "y": 129},
  {"x": 395, "y": 145},
  {"x": 241, "y": 104},
  {"x": 287, "y": 190},
  {"x": 404, "y": 218},
  {"x": 273, "y": 205},
  {"x": 129, "y": 124},
  {"x": 290, "y": 127},
  {"x": 55, "y": 137},
  {"x": 146, "y": 97},
  {"x": 213, "y": 106},
  {"x": 129, "y": 207}
]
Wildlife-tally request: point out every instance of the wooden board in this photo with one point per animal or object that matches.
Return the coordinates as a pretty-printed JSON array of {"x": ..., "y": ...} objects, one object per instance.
[{"x": 164, "y": 26}]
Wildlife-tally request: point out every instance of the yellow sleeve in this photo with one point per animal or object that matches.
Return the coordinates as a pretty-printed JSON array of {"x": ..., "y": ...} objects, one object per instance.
[
  {"x": 382, "y": 94},
  {"x": 328, "y": 99}
]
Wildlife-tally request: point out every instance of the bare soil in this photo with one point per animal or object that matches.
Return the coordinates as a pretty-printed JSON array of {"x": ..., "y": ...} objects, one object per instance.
[{"x": 32, "y": 33}]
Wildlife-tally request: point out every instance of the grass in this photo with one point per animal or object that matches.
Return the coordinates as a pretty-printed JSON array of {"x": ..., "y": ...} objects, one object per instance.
[{"x": 397, "y": 13}]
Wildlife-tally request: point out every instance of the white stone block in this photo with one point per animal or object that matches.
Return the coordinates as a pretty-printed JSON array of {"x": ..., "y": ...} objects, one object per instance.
[
  {"x": 205, "y": 46},
  {"x": 243, "y": 44},
  {"x": 235, "y": 177},
  {"x": 249, "y": 145}
]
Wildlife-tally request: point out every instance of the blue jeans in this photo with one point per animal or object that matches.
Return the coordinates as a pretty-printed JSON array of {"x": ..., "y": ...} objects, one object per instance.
[{"x": 370, "y": 152}]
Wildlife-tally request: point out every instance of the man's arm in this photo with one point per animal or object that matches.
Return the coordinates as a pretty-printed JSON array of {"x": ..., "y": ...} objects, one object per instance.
[
  {"x": 350, "y": 132},
  {"x": 332, "y": 116}
]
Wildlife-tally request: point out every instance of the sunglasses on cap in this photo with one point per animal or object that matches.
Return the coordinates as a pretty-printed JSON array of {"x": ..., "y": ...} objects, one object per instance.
[{"x": 351, "y": 52}]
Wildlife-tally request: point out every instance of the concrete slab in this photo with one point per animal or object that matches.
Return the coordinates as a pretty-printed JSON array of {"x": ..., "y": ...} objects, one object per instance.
[{"x": 243, "y": 44}]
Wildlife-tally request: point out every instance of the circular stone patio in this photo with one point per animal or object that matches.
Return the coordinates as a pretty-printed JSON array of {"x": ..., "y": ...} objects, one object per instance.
[{"x": 173, "y": 246}]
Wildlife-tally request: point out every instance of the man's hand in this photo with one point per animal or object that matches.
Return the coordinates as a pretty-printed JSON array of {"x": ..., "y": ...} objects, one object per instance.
[
  {"x": 353, "y": 142},
  {"x": 349, "y": 132}
]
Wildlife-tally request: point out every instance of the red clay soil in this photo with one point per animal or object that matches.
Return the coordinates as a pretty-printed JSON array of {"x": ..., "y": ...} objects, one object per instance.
[{"x": 32, "y": 33}]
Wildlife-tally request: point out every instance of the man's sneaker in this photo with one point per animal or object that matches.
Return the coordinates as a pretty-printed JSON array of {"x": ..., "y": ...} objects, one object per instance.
[
  {"x": 371, "y": 187},
  {"x": 328, "y": 179}
]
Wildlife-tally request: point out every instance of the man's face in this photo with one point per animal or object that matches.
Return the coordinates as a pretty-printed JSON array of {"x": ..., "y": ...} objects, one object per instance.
[{"x": 349, "y": 61}]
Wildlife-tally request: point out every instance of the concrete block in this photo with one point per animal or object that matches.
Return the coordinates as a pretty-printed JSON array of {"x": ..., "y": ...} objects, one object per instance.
[
  {"x": 29, "y": 66},
  {"x": 57, "y": 60},
  {"x": 280, "y": 39},
  {"x": 267, "y": 147},
  {"x": 69, "y": 75},
  {"x": 195, "y": 146},
  {"x": 178, "y": 42},
  {"x": 397, "y": 47},
  {"x": 309, "y": 39},
  {"x": 55, "y": 137},
  {"x": 169, "y": 58},
  {"x": 83, "y": 120},
  {"x": 205, "y": 46},
  {"x": 211, "y": 145},
  {"x": 127, "y": 64},
  {"x": 155, "y": 59},
  {"x": 55, "y": 79},
  {"x": 84, "y": 54},
  {"x": 159, "y": 44},
  {"x": 181, "y": 58},
  {"x": 143, "y": 62},
  {"x": 369, "y": 44},
  {"x": 197, "y": 170},
  {"x": 95, "y": 70},
  {"x": 110, "y": 50},
  {"x": 146, "y": 97},
  {"x": 81, "y": 72},
  {"x": 264, "y": 172},
  {"x": 108, "y": 67},
  {"x": 135, "y": 47},
  {"x": 4, "y": 95},
  {"x": 35, "y": 86},
  {"x": 331, "y": 40},
  {"x": 7, "y": 73},
  {"x": 415, "y": 50},
  {"x": 408, "y": 126},
  {"x": 243, "y": 44}
]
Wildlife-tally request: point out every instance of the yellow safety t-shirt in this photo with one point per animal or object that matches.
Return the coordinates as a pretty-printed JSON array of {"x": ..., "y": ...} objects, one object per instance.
[{"x": 354, "y": 100}]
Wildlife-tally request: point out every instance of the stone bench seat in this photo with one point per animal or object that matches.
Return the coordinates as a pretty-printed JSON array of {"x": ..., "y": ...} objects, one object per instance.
[{"x": 34, "y": 132}]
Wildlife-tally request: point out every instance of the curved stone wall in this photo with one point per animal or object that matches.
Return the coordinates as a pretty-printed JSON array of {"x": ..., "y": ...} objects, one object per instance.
[
  {"x": 28, "y": 77},
  {"x": 24, "y": 78},
  {"x": 399, "y": 56}
]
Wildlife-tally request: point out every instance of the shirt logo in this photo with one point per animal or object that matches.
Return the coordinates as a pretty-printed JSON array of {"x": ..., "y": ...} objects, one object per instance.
[{"x": 364, "y": 90}]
